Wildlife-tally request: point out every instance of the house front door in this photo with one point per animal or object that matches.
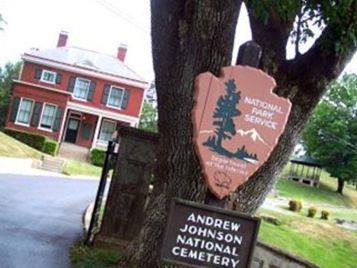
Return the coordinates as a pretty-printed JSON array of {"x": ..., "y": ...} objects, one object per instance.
[{"x": 72, "y": 130}]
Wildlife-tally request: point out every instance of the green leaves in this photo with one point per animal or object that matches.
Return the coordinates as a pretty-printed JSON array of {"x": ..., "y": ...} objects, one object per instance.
[
  {"x": 311, "y": 17},
  {"x": 7, "y": 74},
  {"x": 148, "y": 118},
  {"x": 331, "y": 134}
]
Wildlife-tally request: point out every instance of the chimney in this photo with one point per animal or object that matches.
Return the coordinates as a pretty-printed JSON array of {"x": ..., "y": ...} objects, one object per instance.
[
  {"x": 122, "y": 52},
  {"x": 62, "y": 39}
]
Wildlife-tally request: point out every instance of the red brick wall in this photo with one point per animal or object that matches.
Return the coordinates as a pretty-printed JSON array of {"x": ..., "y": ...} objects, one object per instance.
[
  {"x": 40, "y": 95},
  {"x": 86, "y": 118},
  {"x": 136, "y": 94}
]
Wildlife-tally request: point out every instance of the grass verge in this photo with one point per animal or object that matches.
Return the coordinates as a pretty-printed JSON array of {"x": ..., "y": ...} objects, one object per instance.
[
  {"x": 324, "y": 194},
  {"x": 321, "y": 242},
  {"x": 11, "y": 147},
  {"x": 82, "y": 256},
  {"x": 73, "y": 167}
]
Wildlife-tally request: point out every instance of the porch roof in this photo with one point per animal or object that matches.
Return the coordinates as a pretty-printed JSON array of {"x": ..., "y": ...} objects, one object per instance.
[
  {"x": 103, "y": 113},
  {"x": 305, "y": 160}
]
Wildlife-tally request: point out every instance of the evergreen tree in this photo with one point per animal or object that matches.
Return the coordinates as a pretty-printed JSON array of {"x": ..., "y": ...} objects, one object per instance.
[{"x": 223, "y": 115}]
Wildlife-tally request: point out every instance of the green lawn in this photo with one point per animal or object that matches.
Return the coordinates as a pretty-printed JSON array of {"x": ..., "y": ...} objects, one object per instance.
[
  {"x": 73, "y": 167},
  {"x": 11, "y": 147},
  {"x": 319, "y": 241},
  {"x": 324, "y": 194}
]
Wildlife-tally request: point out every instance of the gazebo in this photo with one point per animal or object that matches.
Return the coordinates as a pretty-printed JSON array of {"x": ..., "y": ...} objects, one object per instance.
[{"x": 305, "y": 170}]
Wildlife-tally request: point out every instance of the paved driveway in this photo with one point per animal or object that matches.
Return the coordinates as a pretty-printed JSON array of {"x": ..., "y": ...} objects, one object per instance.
[{"x": 40, "y": 218}]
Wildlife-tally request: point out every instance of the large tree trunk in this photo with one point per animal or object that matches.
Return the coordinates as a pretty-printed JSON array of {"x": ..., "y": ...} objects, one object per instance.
[
  {"x": 190, "y": 37},
  {"x": 340, "y": 185}
]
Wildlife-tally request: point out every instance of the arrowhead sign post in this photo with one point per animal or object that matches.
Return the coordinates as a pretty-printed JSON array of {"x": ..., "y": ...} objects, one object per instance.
[{"x": 237, "y": 122}]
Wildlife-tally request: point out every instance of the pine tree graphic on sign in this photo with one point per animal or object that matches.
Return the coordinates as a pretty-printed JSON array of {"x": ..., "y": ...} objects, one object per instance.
[{"x": 226, "y": 109}]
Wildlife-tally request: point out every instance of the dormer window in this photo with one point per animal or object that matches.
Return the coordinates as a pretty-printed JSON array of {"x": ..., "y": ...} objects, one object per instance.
[
  {"x": 81, "y": 88},
  {"x": 48, "y": 77}
]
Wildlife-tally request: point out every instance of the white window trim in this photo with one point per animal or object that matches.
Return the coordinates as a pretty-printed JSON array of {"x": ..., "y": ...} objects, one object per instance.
[
  {"x": 43, "y": 108},
  {"x": 74, "y": 88},
  {"x": 105, "y": 113},
  {"x": 103, "y": 142},
  {"x": 46, "y": 81},
  {"x": 18, "y": 111},
  {"x": 122, "y": 97}
]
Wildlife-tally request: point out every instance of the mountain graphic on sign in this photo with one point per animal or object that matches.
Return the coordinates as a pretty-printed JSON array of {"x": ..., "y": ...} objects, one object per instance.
[{"x": 252, "y": 133}]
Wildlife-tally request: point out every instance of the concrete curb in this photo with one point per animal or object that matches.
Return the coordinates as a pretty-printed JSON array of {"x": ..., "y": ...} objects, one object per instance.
[{"x": 86, "y": 217}]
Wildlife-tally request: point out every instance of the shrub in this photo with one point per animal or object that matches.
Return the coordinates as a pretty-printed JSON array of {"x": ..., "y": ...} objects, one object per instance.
[
  {"x": 295, "y": 205},
  {"x": 311, "y": 212},
  {"x": 50, "y": 147},
  {"x": 97, "y": 157},
  {"x": 272, "y": 220},
  {"x": 32, "y": 140},
  {"x": 35, "y": 141},
  {"x": 325, "y": 214}
]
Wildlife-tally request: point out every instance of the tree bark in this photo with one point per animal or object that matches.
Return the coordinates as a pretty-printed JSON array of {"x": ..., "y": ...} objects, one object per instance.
[
  {"x": 340, "y": 185},
  {"x": 190, "y": 37}
]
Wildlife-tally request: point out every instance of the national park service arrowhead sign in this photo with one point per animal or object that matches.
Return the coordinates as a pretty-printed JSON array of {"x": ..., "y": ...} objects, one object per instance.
[{"x": 237, "y": 122}]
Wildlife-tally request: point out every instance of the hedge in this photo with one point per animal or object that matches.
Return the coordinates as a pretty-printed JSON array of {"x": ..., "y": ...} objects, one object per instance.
[
  {"x": 50, "y": 147},
  {"x": 32, "y": 140},
  {"x": 97, "y": 157},
  {"x": 38, "y": 142}
]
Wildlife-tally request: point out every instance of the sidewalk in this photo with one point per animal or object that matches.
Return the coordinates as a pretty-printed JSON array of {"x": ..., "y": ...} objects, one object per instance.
[{"x": 23, "y": 166}]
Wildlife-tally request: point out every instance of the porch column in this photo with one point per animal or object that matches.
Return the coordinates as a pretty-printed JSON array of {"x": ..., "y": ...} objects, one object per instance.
[
  {"x": 60, "y": 136},
  {"x": 96, "y": 132}
]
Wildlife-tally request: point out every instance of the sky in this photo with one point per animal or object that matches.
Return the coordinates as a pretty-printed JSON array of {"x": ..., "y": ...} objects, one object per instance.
[{"x": 100, "y": 25}]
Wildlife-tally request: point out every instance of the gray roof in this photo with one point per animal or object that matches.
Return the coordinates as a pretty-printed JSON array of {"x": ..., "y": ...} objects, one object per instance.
[
  {"x": 305, "y": 160},
  {"x": 87, "y": 59}
]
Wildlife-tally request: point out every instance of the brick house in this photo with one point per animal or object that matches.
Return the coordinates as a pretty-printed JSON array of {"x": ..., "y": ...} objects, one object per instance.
[{"x": 75, "y": 96}]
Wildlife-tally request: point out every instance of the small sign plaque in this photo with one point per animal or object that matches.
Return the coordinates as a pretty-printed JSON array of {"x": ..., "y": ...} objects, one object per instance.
[
  {"x": 237, "y": 123},
  {"x": 202, "y": 236}
]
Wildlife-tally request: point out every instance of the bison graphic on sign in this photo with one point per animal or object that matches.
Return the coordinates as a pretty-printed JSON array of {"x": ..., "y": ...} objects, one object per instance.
[{"x": 237, "y": 122}]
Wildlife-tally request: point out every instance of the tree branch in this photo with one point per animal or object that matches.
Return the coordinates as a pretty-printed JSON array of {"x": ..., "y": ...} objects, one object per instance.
[{"x": 319, "y": 66}]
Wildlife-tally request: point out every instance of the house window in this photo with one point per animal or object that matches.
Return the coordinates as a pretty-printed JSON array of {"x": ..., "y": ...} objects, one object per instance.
[
  {"x": 48, "y": 116},
  {"x": 24, "y": 113},
  {"x": 81, "y": 88},
  {"x": 107, "y": 130},
  {"x": 115, "y": 97},
  {"x": 48, "y": 77}
]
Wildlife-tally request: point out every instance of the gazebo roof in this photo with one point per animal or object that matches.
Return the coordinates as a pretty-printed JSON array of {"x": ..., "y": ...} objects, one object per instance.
[{"x": 305, "y": 160}]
